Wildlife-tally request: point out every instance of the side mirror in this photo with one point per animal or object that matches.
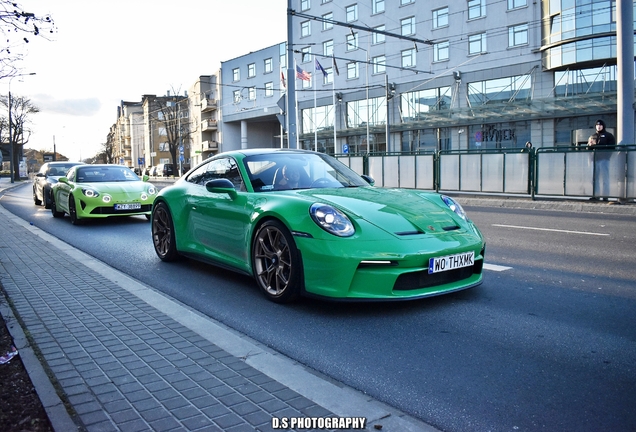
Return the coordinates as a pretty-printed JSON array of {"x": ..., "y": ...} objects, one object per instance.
[
  {"x": 368, "y": 179},
  {"x": 63, "y": 180},
  {"x": 221, "y": 186},
  {"x": 40, "y": 175},
  {"x": 145, "y": 177}
]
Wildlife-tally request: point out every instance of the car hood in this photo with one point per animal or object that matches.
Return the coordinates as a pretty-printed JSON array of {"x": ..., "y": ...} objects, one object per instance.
[
  {"x": 399, "y": 211},
  {"x": 115, "y": 187}
]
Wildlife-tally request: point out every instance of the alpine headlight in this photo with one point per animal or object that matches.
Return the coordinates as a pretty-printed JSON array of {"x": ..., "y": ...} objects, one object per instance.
[
  {"x": 106, "y": 198},
  {"x": 152, "y": 190},
  {"x": 331, "y": 220},
  {"x": 454, "y": 206},
  {"x": 91, "y": 193}
]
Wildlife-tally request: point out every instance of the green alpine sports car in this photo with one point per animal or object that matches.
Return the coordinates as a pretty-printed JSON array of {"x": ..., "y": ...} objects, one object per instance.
[
  {"x": 101, "y": 191},
  {"x": 303, "y": 223}
]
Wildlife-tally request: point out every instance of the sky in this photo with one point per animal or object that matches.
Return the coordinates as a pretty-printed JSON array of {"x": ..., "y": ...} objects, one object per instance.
[{"x": 104, "y": 52}]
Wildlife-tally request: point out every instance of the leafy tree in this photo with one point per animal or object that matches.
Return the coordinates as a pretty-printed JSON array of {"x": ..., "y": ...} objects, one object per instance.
[
  {"x": 17, "y": 25},
  {"x": 21, "y": 110}
]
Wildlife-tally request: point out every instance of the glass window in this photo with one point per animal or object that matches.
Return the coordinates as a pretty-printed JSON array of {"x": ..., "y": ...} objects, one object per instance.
[
  {"x": 305, "y": 4},
  {"x": 404, "y": 2},
  {"x": 326, "y": 25},
  {"x": 236, "y": 74},
  {"x": 476, "y": 9},
  {"x": 305, "y": 29},
  {"x": 282, "y": 54},
  {"x": 378, "y": 6},
  {"x": 379, "y": 37},
  {"x": 251, "y": 93},
  {"x": 269, "y": 89},
  {"x": 379, "y": 64},
  {"x": 251, "y": 70},
  {"x": 408, "y": 26},
  {"x": 237, "y": 96},
  {"x": 477, "y": 43},
  {"x": 408, "y": 58},
  {"x": 223, "y": 168},
  {"x": 441, "y": 51},
  {"x": 352, "y": 42},
  {"x": 518, "y": 35},
  {"x": 352, "y": 70},
  {"x": 327, "y": 79},
  {"x": 514, "y": 4},
  {"x": 305, "y": 55},
  {"x": 440, "y": 18},
  {"x": 352, "y": 12},
  {"x": 267, "y": 66},
  {"x": 327, "y": 48}
]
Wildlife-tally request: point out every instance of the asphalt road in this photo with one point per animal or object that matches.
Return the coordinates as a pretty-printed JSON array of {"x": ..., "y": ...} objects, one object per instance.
[{"x": 548, "y": 342}]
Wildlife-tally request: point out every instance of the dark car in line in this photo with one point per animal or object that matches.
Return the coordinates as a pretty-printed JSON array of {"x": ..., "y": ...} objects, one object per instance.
[{"x": 47, "y": 176}]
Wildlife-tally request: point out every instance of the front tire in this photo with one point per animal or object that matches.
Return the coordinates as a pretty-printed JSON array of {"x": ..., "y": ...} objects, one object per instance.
[
  {"x": 72, "y": 211},
  {"x": 35, "y": 197},
  {"x": 163, "y": 236},
  {"x": 46, "y": 198},
  {"x": 276, "y": 262}
]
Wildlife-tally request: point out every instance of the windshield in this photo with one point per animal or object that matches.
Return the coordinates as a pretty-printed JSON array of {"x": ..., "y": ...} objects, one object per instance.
[
  {"x": 285, "y": 171},
  {"x": 115, "y": 173}
]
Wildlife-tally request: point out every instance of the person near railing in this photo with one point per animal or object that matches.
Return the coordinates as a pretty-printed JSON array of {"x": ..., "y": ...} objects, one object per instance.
[{"x": 602, "y": 140}]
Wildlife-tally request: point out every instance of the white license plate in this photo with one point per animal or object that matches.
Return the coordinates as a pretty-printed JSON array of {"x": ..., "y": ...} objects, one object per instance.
[
  {"x": 133, "y": 206},
  {"x": 451, "y": 262}
]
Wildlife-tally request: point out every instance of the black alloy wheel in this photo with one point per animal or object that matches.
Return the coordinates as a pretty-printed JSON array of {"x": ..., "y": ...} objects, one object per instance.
[
  {"x": 163, "y": 237},
  {"x": 72, "y": 211},
  {"x": 276, "y": 262}
]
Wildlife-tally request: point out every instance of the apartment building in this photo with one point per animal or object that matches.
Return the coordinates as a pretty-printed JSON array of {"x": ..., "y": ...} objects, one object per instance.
[{"x": 203, "y": 106}]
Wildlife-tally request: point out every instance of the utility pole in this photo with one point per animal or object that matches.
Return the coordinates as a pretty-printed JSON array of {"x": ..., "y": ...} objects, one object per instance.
[{"x": 292, "y": 133}]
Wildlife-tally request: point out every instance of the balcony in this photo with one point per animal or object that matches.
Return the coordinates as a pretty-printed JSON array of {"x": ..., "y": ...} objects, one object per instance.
[
  {"x": 208, "y": 105},
  {"x": 210, "y": 145},
  {"x": 208, "y": 125}
]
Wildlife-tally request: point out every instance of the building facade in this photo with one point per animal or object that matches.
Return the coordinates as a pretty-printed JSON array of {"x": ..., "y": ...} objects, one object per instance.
[{"x": 454, "y": 75}]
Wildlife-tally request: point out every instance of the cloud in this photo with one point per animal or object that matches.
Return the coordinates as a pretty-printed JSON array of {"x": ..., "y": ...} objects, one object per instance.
[{"x": 75, "y": 107}]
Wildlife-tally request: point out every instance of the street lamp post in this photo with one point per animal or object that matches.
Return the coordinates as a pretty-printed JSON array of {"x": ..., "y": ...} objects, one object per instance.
[{"x": 11, "y": 165}]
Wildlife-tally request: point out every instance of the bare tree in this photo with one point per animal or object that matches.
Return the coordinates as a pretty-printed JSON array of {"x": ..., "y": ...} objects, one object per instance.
[
  {"x": 14, "y": 131},
  {"x": 108, "y": 148},
  {"x": 174, "y": 118},
  {"x": 17, "y": 25}
]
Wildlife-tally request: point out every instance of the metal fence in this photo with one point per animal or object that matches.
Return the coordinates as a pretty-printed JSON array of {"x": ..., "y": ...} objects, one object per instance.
[{"x": 546, "y": 171}]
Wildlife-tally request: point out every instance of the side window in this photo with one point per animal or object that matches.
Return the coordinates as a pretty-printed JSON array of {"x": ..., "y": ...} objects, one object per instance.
[
  {"x": 71, "y": 175},
  {"x": 217, "y": 169}
]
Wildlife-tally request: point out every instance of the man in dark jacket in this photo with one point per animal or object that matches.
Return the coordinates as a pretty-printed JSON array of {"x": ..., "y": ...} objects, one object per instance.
[{"x": 604, "y": 141}]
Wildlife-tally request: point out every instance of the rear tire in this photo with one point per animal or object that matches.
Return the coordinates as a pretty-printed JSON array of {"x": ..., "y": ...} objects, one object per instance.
[
  {"x": 163, "y": 235},
  {"x": 56, "y": 214}
]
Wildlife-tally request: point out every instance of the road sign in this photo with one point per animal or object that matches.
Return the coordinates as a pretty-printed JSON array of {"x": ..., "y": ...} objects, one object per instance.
[{"x": 345, "y": 148}]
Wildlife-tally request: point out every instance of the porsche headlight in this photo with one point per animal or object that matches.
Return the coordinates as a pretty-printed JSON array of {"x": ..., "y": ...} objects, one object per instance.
[
  {"x": 91, "y": 193},
  {"x": 454, "y": 206},
  {"x": 331, "y": 220}
]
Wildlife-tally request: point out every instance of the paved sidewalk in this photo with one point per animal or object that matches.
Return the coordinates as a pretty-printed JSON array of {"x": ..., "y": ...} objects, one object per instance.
[{"x": 118, "y": 355}]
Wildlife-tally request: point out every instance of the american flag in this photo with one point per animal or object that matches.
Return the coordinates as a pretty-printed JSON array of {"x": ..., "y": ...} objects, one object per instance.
[{"x": 301, "y": 74}]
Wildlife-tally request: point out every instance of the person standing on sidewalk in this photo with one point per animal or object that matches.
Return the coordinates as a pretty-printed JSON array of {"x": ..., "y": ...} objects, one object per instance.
[{"x": 602, "y": 140}]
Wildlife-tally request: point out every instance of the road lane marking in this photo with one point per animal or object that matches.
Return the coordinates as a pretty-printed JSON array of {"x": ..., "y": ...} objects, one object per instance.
[
  {"x": 549, "y": 229},
  {"x": 495, "y": 267}
]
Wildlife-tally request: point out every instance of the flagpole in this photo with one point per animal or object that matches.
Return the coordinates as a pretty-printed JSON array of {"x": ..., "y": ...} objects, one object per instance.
[
  {"x": 296, "y": 104},
  {"x": 313, "y": 84},
  {"x": 334, "y": 71}
]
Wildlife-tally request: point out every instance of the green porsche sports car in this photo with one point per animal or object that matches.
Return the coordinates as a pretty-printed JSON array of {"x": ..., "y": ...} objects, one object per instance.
[
  {"x": 101, "y": 191},
  {"x": 303, "y": 223}
]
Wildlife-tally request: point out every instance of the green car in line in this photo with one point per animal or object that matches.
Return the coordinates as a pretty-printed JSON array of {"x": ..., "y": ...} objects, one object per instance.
[
  {"x": 303, "y": 223},
  {"x": 101, "y": 191}
]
